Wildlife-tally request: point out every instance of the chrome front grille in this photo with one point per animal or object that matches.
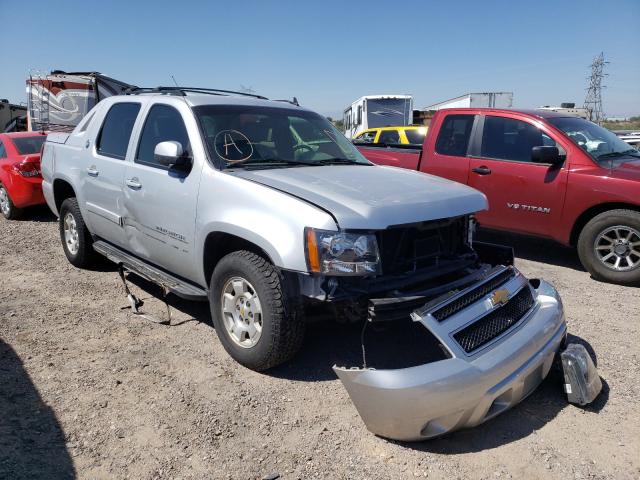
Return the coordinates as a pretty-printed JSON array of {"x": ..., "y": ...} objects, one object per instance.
[
  {"x": 496, "y": 322},
  {"x": 472, "y": 296}
]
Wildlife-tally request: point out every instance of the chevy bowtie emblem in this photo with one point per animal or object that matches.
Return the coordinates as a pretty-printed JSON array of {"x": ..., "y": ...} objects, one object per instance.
[{"x": 499, "y": 297}]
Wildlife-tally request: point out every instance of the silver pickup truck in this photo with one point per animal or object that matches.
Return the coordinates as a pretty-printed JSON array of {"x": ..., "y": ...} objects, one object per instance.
[{"x": 265, "y": 210}]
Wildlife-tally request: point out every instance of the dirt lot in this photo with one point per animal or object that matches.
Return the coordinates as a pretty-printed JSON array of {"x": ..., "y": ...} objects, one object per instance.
[{"x": 89, "y": 390}]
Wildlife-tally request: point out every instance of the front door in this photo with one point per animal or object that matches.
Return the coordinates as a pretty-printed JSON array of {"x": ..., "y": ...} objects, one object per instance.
[
  {"x": 103, "y": 174},
  {"x": 524, "y": 196},
  {"x": 160, "y": 202}
]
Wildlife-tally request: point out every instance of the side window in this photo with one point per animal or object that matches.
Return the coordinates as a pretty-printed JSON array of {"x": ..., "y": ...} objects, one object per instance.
[
  {"x": 3, "y": 151},
  {"x": 359, "y": 118},
  {"x": 510, "y": 139},
  {"x": 163, "y": 124},
  {"x": 389, "y": 136},
  {"x": 116, "y": 130},
  {"x": 453, "y": 138}
]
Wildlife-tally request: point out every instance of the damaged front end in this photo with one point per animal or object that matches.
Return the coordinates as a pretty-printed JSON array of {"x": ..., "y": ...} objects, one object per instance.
[
  {"x": 464, "y": 334},
  {"x": 499, "y": 347}
]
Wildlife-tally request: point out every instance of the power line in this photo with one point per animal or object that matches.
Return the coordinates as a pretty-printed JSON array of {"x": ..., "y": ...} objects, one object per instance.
[{"x": 593, "y": 100}]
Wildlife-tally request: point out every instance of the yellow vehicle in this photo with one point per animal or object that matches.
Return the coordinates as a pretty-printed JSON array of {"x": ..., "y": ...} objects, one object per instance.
[{"x": 411, "y": 135}]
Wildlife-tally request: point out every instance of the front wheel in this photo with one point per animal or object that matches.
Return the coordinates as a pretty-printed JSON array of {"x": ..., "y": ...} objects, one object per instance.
[
  {"x": 256, "y": 323},
  {"x": 609, "y": 247},
  {"x": 75, "y": 236},
  {"x": 8, "y": 209}
]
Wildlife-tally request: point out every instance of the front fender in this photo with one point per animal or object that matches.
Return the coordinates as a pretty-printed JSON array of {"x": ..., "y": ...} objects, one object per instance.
[{"x": 272, "y": 220}]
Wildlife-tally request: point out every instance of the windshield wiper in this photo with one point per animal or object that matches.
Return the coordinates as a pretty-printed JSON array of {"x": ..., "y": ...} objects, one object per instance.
[
  {"x": 340, "y": 161},
  {"x": 632, "y": 152},
  {"x": 270, "y": 163}
]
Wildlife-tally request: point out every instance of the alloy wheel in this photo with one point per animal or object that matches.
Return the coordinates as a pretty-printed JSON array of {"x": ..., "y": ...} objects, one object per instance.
[
  {"x": 71, "y": 237},
  {"x": 618, "y": 248},
  {"x": 241, "y": 312},
  {"x": 5, "y": 207}
]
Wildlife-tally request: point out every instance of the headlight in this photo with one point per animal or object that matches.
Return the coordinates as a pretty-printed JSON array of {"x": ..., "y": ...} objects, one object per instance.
[{"x": 340, "y": 253}]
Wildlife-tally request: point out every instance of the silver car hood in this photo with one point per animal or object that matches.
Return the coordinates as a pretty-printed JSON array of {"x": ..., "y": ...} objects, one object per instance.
[{"x": 372, "y": 197}]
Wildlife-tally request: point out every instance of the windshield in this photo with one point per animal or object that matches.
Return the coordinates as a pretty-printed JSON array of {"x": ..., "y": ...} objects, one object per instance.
[
  {"x": 267, "y": 137},
  {"x": 29, "y": 145},
  {"x": 602, "y": 144}
]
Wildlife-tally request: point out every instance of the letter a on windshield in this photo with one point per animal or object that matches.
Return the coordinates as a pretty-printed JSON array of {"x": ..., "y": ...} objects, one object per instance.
[{"x": 228, "y": 142}]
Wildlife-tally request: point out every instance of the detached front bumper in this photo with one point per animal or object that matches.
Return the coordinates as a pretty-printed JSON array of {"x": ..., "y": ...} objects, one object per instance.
[{"x": 467, "y": 389}]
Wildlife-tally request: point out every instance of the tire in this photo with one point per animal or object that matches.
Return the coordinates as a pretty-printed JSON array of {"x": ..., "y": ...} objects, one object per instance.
[
  {"x": 275, "y": 315},
  {"x": 79, "y": 252},
  {"x": 8, "y": 209},
  {"x": 622, "y": 227}
]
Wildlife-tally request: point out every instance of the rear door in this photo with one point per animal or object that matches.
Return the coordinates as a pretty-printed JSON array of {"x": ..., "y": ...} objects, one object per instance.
[
  {"x": 104, "y": 172},
  {"x": 524, "y": 196},
  {"x": 446, "y": 155},
  {"x": 160, "y": 202}
]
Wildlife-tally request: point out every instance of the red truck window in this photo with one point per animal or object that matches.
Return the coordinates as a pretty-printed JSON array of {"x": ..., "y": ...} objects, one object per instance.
[
  {"x": 453, "y": 138},
  {"x": 509, "y": 139}
]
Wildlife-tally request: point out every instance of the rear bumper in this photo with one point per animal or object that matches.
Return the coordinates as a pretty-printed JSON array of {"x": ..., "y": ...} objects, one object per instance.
[
  {"x": 463, "y": 391},
  {"x": 47, "y": 192},
  {"x": 25, "y": 191}
]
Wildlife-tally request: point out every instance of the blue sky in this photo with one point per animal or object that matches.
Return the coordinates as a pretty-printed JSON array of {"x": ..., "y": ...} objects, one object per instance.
[{"x": 327, "y": 53}]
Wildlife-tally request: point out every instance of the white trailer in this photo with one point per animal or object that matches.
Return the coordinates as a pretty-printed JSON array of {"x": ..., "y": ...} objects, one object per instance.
[
  {"x": 373, "y": 111},
  {"x": 569, "y": 109},
  {"x": 476, "y": 100}
]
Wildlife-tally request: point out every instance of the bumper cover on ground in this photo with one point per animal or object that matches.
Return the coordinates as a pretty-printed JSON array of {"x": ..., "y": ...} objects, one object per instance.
[{"x": 429, "y": 400}]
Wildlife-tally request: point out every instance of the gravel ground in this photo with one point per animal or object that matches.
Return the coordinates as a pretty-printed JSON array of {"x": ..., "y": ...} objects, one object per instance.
[{"x": 89, "y": 390}]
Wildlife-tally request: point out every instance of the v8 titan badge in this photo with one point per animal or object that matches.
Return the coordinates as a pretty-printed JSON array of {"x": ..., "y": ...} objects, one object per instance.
[{"x": 233, "y": 146}]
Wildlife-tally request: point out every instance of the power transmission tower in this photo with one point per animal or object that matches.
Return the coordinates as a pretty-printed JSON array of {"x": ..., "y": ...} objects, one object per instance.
[{"x": 593, "y": 100}]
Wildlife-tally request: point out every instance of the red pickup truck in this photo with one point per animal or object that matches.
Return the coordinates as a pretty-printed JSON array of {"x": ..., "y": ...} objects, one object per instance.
[{"x": 545, "y": 174}]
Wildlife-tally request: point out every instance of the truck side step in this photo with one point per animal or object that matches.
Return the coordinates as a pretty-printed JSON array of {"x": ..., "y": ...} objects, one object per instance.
[{"x": 149, "y": 272}]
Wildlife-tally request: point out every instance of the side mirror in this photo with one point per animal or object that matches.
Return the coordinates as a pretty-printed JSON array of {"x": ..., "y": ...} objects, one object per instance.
[
  {"x": 168, "y": 153},
  {"x": 545, "y": 154}
]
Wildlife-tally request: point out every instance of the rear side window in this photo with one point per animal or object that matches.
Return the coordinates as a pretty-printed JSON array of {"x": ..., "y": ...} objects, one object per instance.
[
  {"x": 3, "y": 151},
  {"x": 163, "y": 124},
  {"x": 116, "y": 130},
  {"x": 389, "y": 136},
  {"x": 453, "y": 138},
  {"x": 509, "y": 139}
]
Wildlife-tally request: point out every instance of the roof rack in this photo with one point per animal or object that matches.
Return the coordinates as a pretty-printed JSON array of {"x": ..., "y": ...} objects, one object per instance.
[
  {"x": 183, "y": 91},
  {"x": 294, "y": 101}
]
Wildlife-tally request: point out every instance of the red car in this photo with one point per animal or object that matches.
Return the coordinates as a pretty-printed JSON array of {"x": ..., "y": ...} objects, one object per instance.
[
  {"x": 544, "y": 174},
  {"x": 20, "y": 179}
]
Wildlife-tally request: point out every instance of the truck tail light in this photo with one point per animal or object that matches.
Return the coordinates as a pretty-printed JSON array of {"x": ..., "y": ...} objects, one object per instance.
[{"x": 27, "y": 168}]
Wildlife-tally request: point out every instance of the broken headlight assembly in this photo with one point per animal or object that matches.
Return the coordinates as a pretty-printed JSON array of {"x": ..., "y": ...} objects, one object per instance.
[{"x": 341, "y": 253}]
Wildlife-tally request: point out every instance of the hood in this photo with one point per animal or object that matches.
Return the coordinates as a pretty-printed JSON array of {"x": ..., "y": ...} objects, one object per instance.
[
  {"x": 628, "y": 170},
  {"x": 372, "y": 197}
]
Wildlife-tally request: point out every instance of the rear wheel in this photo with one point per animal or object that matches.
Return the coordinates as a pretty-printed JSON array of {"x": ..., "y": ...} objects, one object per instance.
[
  {"x": 8, "y": 209},
  {"x": 76, "y": 239},
  {"x": 256, "y": 323},
  {"x": 609, "y": 246}
]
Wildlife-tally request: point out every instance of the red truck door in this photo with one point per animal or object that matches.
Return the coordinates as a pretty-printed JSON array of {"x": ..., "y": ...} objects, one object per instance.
[{"x": 523, "y": 196}]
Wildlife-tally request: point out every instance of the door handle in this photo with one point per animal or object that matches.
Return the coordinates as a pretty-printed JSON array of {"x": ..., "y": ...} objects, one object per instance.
[
  {"x": 92, "y": 171},
  {"x": 133, "y": 183},
  {"x": 481, "y": 170}
]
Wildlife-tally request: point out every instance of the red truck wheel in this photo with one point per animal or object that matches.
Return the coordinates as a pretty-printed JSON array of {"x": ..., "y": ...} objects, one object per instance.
[{"x": 609, "y": 246}]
